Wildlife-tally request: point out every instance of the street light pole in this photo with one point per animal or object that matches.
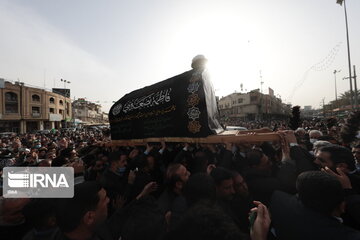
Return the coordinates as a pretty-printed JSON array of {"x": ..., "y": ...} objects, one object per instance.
[
  {"x": 65, "y": 95},
  {"x": 348, "y": 51},
  {"x": 356, "y": 91},
  {"x": 336, "y": 71}
]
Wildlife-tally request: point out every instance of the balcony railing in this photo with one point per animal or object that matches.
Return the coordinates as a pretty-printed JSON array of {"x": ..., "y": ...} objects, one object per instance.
[{"x": 35, "y": 114}]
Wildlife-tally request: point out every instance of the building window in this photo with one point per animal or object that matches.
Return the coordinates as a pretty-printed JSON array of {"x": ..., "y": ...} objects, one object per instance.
[
  {"x": 253, "y": 98},
  {"x": 61, "y": 102},
  {"x": 61, "y": 111},
  {"x": 11, "y": 102},
  {"x": 52, "y": 110},
  {"x": 35, "y": 111},
  {"x": 35, "y": 98},
  {"x": 52, "y": 100},
  {"x": 240, "y": 100}
]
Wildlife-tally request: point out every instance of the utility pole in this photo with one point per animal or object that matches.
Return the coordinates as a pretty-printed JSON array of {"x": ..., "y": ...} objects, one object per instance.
[
  {"x": 356, "y": 91},
  {"x": 348, "y": 52},
  {"x": 336, "y": 71},
  {"x": 66, "y": 94},
  {"x": 261, "y": 82}
]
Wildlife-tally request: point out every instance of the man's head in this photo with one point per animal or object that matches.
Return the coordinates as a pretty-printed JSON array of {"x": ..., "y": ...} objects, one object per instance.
[
  {"x": 224, "y": 183},
  {"x": 320, "y": 192},
  {"x": 86, "y": 210},
  {"x": 176, "y": 176},
  {"x": 257, "y": 159},
  {"x": 319, "y": 144},
  {"x": 11, "y": 210},
  {"x": 205, "y": 222},
  {"x": 199, "y": 62},
  {"x": 118, "y": 160},
  {"x": 240, "y": 186},
  {"x": 335, "y": 156},
  {"x": 200, "y": 187},
  {"x": 300, "y": 132},
  {"x": 356, "y": 153},
  {"x": 314, "y": 135},
  {"x": 42, "y": 153},
  {"x": 41, "y": 213},
  {"x": 150, "y": 159}
]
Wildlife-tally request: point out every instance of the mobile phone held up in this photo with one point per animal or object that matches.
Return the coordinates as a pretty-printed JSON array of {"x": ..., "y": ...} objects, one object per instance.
[{"x": 252, "y": 218}]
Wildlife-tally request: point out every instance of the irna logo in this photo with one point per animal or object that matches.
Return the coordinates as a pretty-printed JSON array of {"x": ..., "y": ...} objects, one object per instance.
[
  {"x": 39, "y": 182},
  {"x": 35, "y": 180}
]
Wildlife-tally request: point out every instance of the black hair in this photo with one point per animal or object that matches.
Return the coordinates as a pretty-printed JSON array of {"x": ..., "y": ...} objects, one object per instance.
[
  {"x": 38, "y": 211},
  {"x": 71, "y": 210},
  {"x": 171, "y": 177},
  {"x": 253, "y": 157},
  {"x": 203, "y": 222},
  {"x": 66, "y": 152},
  {"x": 140, "y": 161},
  {"x": 309, "y": 146},
  {"x": 220, "y": 174},
  {"x": 143, "y": 220},
  {"x": 89, "y": 159},
  {"x": 331, "y": 122},
  {"x": 351, "y": 127},
  {"x": 199, "y": 162},
  {"x": 339, "y": 154},
  {"x": 58, "y": 161},
  {"x": 115, "y": 156},
  {"x": 200, "y": 186},
  {"x": 319, "y": 191},
  {"x": 268, "y": 150}
]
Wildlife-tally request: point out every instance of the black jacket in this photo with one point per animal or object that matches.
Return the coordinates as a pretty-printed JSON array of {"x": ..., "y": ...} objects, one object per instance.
[
  {"x": 141, "y": 219},
  {"x": 262, "y": 184},
  {"x": 292, "y": 220}
]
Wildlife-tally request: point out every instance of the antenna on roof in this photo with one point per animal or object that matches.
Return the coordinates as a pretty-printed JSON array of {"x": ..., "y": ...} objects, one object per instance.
[{"x": 261, "y": 82}]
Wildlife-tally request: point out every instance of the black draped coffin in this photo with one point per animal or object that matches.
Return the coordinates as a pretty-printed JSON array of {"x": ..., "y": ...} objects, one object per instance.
[{"x": 181, "y": 106}]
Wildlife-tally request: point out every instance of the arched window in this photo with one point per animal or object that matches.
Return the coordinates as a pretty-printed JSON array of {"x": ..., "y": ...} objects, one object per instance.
[
  {"x": 11, "y": 102},
  {"x": 61, "y": 102},
  {"x": 52, "y": 100},
  {"x": 35, "y": 98}
]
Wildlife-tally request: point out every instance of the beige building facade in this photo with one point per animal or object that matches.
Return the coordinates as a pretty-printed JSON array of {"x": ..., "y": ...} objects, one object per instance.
[
  {"x": 88, "y": 112},
  {"x": 252, "y": 106},
  {"x": 26, "y": 109}
]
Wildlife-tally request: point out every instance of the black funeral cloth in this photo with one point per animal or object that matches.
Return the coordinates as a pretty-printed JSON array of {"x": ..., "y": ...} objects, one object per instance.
[{"x": 182, "y": 106}]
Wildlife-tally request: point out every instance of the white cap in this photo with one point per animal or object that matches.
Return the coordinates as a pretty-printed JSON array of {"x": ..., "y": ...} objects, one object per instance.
[{"x": 198, "y": 60}]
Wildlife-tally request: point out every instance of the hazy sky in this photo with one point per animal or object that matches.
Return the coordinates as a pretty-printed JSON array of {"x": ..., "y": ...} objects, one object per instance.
[{"x": 108, "y": 48}]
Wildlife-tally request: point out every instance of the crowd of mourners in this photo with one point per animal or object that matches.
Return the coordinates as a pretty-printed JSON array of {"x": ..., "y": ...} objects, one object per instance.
[{"x": 304, "y": 186}]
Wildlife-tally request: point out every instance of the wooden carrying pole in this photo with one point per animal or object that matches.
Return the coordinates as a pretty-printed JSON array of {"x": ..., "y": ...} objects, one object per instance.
[{"x": 251, "y": 137}]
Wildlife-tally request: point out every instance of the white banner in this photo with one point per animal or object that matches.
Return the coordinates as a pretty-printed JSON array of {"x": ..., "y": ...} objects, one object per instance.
[{"x": 55, "y": 117}]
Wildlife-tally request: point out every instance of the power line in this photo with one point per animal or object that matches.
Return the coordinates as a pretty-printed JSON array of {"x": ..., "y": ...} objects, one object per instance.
[{"x": 320, "y": 66}]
